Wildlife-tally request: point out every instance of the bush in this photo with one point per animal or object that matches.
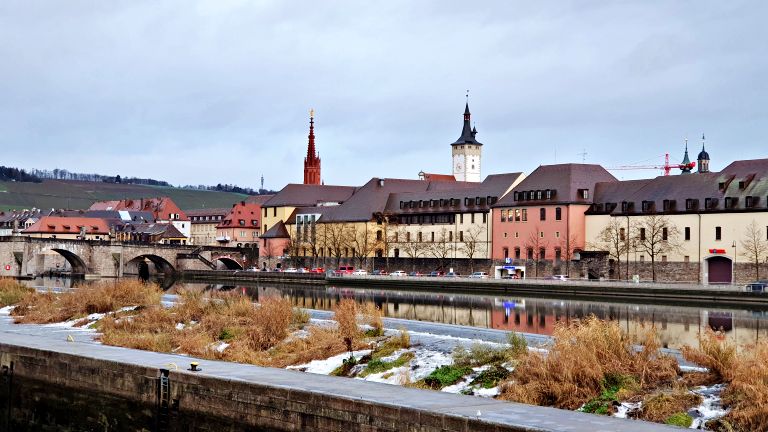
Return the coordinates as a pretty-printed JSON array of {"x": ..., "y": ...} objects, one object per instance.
[
  {"x": 719, "y": 357},
  {"x": 377, "y": 365},
  {"x": 659, "y": 407},
  {"x": 491, "y": 377},
  {"x": 345, "y": 314},
  {"x": 680, "y": 419},
  {"x": 518, "y": 346},
  {"x": 747, "y": 393},
  {"x": 445, "y": 376}
]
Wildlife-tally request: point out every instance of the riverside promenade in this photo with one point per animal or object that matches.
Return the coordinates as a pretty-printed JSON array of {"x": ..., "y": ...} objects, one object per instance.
[{"x": 241, "y": 397}]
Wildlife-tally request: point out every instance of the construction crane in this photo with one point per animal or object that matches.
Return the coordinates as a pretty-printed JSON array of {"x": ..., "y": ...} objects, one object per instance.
[{"x": 666, "y": 168}]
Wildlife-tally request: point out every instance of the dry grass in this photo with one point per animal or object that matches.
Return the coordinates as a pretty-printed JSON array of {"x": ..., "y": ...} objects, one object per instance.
[
  {"x": 101, "y": 297},
  {"x": 345, "y": 314},
  {"x": 719, "y": 357},
  {"x": 747, "y": 393},
  {"x": 584, "y": 360},
  {"x": 11, "y": 291},
  {"x": 660, "y": 406},
  {"x": 371, "y": 315}
]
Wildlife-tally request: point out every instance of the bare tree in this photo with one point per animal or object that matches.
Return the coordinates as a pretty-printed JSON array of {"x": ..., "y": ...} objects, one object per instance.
[
  {"x": 413, "y": 247},
  {"x": 442, "y": 246},
  {"x": 388, "y": 224},
  {"x": 334, "y": 238},
  {"x": 655, "y": 235},
  {"x": 536, "y": 243},
  {"x": 568, "y": 246},
  {"x": 613, "y": 239},
  {"x": 473, "y": 244},
  {"x": 364, "y": 240},
  {"x": 754, "y": 247}
]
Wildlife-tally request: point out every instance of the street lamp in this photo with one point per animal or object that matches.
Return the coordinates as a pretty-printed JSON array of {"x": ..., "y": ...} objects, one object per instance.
[{"x": 733, "y": 271}]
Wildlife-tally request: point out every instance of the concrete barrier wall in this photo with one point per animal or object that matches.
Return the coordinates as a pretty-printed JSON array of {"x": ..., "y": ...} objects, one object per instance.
[{"x": 233, "y": 397}]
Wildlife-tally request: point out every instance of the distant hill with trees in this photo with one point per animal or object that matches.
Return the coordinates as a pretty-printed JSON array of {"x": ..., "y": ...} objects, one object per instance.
[{"x": 60, "y": 188}]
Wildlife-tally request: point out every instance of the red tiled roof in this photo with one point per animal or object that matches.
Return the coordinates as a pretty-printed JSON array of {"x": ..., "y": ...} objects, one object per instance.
[
  {"x": 159, "y": 206},
  {"x": 564, "y": 179},
  {"x": 248, "y": 212},
  {"x": 68, "y": 225},
  {"x": 439, "y": 177}
]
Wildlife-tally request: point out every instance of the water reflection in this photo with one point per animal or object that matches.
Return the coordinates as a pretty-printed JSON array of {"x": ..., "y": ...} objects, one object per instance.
[{"x": 677, "y": 325}]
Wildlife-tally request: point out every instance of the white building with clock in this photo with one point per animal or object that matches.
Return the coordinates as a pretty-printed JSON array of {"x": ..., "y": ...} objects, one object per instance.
[{"x": 467, "y": 153}]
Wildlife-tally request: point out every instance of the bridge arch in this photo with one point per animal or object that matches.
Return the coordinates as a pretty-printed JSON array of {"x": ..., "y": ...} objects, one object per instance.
[
  {"x": 228, "y": 263},
  {"x": 140, "y": 265},
  {"x": 75, "y": 261}
]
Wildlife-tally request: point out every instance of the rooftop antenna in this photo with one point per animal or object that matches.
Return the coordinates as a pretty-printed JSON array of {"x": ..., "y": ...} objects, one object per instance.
[
  {"x": 583, "y": 155},
  {"x": 262, "y": 181}
]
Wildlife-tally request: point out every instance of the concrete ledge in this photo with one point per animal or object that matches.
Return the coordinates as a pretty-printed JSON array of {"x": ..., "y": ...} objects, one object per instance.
[{"x": 275, "y": 399}]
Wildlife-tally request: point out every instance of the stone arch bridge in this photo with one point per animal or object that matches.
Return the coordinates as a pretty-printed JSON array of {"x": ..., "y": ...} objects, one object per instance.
[{"x": 25, "y": 256}]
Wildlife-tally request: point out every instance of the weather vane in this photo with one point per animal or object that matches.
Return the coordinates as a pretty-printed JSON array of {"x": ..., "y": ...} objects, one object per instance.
[{"x": 311, "y": 112}]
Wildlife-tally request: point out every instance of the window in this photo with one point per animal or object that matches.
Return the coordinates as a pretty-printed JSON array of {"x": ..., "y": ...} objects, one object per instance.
[
  {"x": 642, "y": 258},
  {"x": 515, "y": 196},
  {"x": 691, "y": 204},
  {"x": 648, "y": 206},
  {"x": 750, "y": 201},
  {"x": 718, "y": 233},
  {"x": 538, "y": 195},
  {"x": 622, "y": 234},
  {"x": 517, "y": 215},
  {"x": 450, "y": 236},
  {"x": 557, "y": 234},
  {"x": 274, "y": 211},
  {"x": 433, "y": 236},
  {"x": 461, "y": 236},
  {"x": 663, "y": 258},
  {"x": 541, "y": 234},
  {"x": 710, "y": 203},
  {"x": 485, "y": 217},
  {"x": 461, "y": 218},
  {"x": 517, "y": 234},
  {"x": 505, "y": 235},
  {"x": 408, "y": 236},
  {"x": 548, "y": 193},
  {"x": 558, "y": 213},
  {"x": 517, "y": 253},
  {"x": 472, "y": 218},
  {"x": 542, "y": 253},
  {"x": 687, "y": 259},
  {"x": 558, "y": 254},
  {"x": 525, "y": 215},
  {"x": 241, "y": 222},
  {"x": 731, "y": 202},
  {"x": 669, "y": 205},
  {"x": 542, "y": 214},
  {"x": 506, "y": 253},
  {"x": 529, "y": 252},
  {"x": 664, "y": 234},
  {"x": 642, "y": 233},
  {"x": 687, "y": 233},
  {"x": 378, "y": 235},
  {"x": 584, "y": 193},
  {"x": 503, "y": 215}
]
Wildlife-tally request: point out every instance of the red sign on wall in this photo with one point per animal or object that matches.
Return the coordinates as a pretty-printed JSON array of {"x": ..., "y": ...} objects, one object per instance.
[
  {"x": 717, "y": 251},
  {"x": 7, "y": 266}
]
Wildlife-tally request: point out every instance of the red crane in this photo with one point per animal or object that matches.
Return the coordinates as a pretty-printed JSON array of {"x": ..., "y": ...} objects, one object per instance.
[{"x": 666, "y": 168}]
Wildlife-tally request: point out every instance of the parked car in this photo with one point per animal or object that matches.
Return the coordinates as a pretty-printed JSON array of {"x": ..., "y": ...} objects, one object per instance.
[
  {"x": 435, "y": 274},
  {"x": 415, "y": 274},
  {"x": 479, "y": 275},
  {"x": 317, "y": 270},
  {"x": 359, "y": 272},
  {"x": 379, "y": 273},
  {"x": 757, "y": 286},
  {"x": 345, "y": 270},
  {"x": 303, "y": 270},
  {"x": 253, "y": 269},
  {"x": 291, "y": 270},
  {"x": 398, "y": 273},
  {"x": 452, "y": 275},
  {"x": 559, "y": 277}
]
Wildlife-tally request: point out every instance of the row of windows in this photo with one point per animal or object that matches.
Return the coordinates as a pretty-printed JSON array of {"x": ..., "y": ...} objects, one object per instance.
[
  {"x": 206, "y": 218},
  {"x": 686, "y": 233},
  {"x": 669, "y": 205},
  {"x": 529, "y": 253},
  {"x": 521, "y": 215},
  {"x": 448, "y": 202}
]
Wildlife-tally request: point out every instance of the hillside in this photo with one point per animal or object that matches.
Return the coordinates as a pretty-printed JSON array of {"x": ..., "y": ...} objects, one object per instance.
[{"x": 81, "y": 194}]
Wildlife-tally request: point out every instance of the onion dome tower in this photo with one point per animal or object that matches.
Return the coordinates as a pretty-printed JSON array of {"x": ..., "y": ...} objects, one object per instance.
[{"x": 703, "y": 158}]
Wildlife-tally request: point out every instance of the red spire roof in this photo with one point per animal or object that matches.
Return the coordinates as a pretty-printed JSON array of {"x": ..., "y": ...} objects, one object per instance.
[{"x": 312, "y": 161}]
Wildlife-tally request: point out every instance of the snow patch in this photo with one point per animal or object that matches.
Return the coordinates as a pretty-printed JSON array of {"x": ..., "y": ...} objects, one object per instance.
[
  {"x": 711, "y": 407},
  {"x": 325, "y": 367},
  {"x": 6, "y": 310}
]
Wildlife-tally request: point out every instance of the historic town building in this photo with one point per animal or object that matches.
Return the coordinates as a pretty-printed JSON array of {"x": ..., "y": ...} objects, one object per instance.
[
  {"x": 312, "y": 160},
  {"x": 467, "y": 152},
  {"x": 542, "y": 219},
  {"x": 163, "y": 209},
  {"x": 707, "y": 227},
  {"x": 204, "y": 223}
]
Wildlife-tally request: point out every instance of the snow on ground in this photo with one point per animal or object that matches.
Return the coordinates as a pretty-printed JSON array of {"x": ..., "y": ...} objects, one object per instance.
[
  {"x": 219, "y": 346},
  {"x": 325, "y": 367},
  {"x": 6, "y": 310},
  {"x": 711, "y": 407},
  {"x": 625, "y": 408}
]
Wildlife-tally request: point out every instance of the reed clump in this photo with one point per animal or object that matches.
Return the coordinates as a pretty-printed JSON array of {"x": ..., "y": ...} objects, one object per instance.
[
  {"x": 718, "y": 356},
  {"x": 587, "y": 358},
  {"x": 747, "y": 392},
  {"x": 100, "y": 297},
  {"x": 11, "y": 291}
]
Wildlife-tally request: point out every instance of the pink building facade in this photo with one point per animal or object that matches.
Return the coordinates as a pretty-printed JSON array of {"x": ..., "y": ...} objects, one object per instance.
[{"x": 542, "y": 219}]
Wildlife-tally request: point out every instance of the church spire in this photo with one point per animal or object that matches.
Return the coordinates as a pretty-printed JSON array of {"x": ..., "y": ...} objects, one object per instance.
[
  {"x": 686, "y": 169},
  {"x": 312, "y": 161}
]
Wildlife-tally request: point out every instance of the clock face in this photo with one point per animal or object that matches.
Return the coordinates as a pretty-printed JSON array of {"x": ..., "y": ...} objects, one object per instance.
[{"x": 458, "y": 166}]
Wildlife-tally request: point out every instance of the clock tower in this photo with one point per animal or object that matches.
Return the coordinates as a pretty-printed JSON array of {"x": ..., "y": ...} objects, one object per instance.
[{"x": 467, "y": 152}]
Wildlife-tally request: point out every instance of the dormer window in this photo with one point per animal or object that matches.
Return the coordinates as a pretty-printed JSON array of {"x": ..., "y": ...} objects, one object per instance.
[
  {"x": 477, "y": 200},
  {"x": 626, "y": 206},
  {"x": 721, "y": 186},
  {"x": 466, "y": 201},
  {"x": 751, "y": 201},
  {"x": 742, "y": 185},
  {"x": 669, "y": 205},
  {"x": 538, "y": 195},
  {"x": 648, "y": 206},
  {"x": 583, "y": 193},
  {"x": 515, "y": 196},
  {"x": 731, "y": 202},
  {"x": 691, "y": 204},
  {"x": 710, "y": 203},
  {"x": 402, "y": 205},
  {"x": 548, "y": 194}
]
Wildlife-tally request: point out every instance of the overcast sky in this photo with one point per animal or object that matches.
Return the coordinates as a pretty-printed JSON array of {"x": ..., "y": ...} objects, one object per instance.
[{"x": 203, "y": 92}]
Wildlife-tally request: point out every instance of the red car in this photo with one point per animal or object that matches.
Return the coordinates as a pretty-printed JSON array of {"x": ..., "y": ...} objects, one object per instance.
[{"x": 317, "y": 270}]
